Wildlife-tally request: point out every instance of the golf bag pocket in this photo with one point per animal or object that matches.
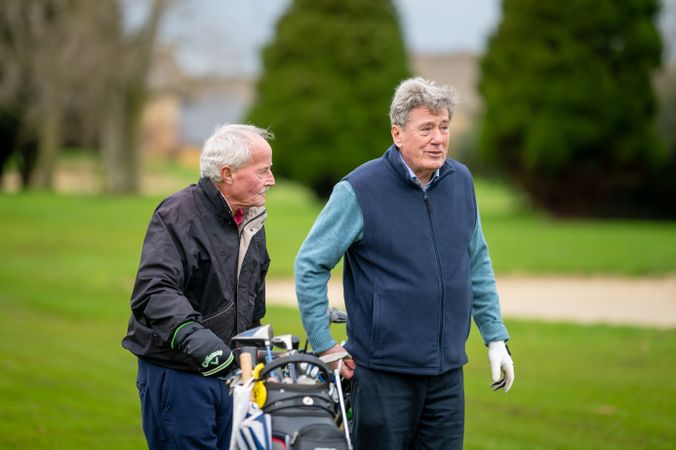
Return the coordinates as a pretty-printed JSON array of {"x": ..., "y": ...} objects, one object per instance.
[{"x": 319, "y": 436}]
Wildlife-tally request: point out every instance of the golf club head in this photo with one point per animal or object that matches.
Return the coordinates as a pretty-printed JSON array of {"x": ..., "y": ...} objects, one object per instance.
[
  {"x": 284, "y": 341},
  {"x": 258, "y": 336},
  {"x": 337, "y": 316}
]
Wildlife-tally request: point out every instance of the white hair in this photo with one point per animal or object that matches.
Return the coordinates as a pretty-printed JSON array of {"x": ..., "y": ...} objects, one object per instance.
[
  {"x": 228, "y": 146},
  {"x": 416, "y": 92}
]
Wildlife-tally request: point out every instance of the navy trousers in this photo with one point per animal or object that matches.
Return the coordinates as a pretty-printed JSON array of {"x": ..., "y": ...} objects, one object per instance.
[
  {"x": 183, "y": 410},
  {"x": 398, "y": 411}
]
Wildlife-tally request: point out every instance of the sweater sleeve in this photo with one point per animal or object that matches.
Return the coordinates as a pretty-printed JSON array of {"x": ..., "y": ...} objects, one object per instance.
[
  {"x": 485, "y": 301},
  {"x": 337, "y": 227}
]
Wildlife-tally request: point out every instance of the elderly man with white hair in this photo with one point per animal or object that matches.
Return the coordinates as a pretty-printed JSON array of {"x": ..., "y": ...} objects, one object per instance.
[{"x": 201, "y": 280}]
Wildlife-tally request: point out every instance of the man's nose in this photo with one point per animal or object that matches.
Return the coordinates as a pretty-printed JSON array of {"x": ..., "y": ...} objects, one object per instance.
[
  {"x": 271, "y": 179},
  {"x": 437, "y": 137}
]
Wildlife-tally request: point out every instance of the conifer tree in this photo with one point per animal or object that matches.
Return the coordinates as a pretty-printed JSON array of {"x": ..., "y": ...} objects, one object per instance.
[
  {"x": 327, "y": 82},
  {"x": 569, "y": 105}
]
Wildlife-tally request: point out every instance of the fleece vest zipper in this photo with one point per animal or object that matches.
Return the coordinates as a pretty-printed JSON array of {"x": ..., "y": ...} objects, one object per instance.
[{"x": 428, "y": 208}]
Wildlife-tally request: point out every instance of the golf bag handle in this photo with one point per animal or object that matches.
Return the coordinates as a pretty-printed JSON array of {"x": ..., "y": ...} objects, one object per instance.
[{"x": 294, "y": 359}]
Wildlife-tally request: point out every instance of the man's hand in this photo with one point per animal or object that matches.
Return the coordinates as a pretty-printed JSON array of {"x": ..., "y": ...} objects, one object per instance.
[
  {"x": 208, "y": 350},
  {"x": 348, "y": 365},
  {"x": 501, "y": 362}
]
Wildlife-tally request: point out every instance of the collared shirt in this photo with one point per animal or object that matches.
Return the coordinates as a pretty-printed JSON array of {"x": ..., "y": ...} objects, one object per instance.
[
  {"x": 238, "y": 215},
  {"x": 415, "y": 179}
]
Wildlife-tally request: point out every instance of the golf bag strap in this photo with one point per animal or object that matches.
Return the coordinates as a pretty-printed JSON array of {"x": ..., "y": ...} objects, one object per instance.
[{"x": 294, "y": 359}]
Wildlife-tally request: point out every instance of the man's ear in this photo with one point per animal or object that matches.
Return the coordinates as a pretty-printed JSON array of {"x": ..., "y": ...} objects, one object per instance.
[
  {"x": 226, "y": 174},
  {"x": 396, "y": 135}
]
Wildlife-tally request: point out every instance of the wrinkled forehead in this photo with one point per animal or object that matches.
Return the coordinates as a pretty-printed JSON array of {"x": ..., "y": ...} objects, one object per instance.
[
  {"x": 260, "y": 151},
  {"x": 424, "y": 114}
]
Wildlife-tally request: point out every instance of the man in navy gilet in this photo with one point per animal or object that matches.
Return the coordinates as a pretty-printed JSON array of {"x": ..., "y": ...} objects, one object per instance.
[{"x": 416, "y": 271}]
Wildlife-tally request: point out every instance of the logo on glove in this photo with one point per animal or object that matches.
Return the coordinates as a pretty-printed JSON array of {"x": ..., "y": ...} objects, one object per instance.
[{"x": 212, "y": 358}]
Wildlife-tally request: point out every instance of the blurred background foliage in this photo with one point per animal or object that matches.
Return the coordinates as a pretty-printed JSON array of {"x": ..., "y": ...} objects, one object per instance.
[
  {"x": 326, "y": 86},
  {"x": 576, "y": 109},
  {"x": 570, "y": 109},
  {"x": 72, "y": 73}
]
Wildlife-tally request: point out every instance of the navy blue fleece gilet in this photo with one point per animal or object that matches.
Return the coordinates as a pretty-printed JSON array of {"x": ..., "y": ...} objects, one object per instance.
[{"x": 407, "y": 281}]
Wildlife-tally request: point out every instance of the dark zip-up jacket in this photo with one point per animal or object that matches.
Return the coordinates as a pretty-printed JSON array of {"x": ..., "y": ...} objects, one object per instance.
[
  {"x": 197, "y": 265},
  {"x": 407, "y": 281}
]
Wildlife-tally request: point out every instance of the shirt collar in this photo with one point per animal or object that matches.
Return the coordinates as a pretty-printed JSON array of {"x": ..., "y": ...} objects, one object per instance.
[{"x": 415, "y": 179}]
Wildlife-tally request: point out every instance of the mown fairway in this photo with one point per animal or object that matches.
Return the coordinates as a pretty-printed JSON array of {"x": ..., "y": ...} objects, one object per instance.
[{"x": 68, "y": 264}]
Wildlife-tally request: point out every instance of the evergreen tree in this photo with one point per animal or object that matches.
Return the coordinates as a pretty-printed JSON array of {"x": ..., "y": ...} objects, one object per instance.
[
  {"x": 327, "y": 82},
  {"x": 569, "y": 106}
]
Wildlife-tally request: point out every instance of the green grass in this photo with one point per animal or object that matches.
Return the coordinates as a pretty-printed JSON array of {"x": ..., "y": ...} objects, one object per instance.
[
  {"x": 75, "y": 231},
  {"x": 51, "y": 242},
  {"x": 525, "y": 241},
  {"x": 520, "y": 240},
  {"x": 67, "y": 268},
  {"x": 577, "y": 387},
  {"x": 67, "y": 384}
]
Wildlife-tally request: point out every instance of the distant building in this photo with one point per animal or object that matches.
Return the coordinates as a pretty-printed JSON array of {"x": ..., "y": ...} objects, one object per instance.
[
  {"x": 212, "y": 102},
  {"x": 183, "y": 111},
  {"x": 459, "y": 70}
]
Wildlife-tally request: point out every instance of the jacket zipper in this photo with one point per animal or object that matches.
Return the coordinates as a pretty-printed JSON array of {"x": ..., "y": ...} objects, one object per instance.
[
  {"x": 244, "y": 224},
  {"x": 428, "y": 208},
  {"x": 239, "y": 239}
]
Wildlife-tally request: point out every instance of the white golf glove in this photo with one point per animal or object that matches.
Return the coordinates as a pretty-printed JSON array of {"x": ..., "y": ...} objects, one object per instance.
[{"x": 501, "y": 362}]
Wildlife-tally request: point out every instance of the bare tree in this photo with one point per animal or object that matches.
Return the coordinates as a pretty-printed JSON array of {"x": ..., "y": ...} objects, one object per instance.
[
  {"x": 77, "y": 55},
  {"x": 125, "y": 93},
  {"x": 38, "y": 51}
]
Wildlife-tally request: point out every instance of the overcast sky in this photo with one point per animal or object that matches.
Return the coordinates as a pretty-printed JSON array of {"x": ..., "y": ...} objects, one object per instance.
[{"x": 225, "y": 36}]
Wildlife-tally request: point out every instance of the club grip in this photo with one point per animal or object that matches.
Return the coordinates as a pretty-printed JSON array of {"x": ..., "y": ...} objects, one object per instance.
[{"x": 245, "y": 364}]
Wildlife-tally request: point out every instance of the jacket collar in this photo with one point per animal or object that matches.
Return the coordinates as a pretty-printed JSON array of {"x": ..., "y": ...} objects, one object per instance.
[
  {"x": 215, "y": 197},
  {"x": 222, "y": 209}
]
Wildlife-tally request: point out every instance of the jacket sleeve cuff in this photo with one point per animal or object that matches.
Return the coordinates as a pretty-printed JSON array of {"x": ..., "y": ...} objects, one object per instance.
[
  {"x": 182, "y": 331},
  {"x": 321, "y": 341},
  {"x": 494, "y": 332}
]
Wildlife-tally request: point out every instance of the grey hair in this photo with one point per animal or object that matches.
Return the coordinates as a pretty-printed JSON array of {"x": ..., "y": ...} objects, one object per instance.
[
  {"x": 416, "y": 92},
  {"x": 228, "y": 146}
]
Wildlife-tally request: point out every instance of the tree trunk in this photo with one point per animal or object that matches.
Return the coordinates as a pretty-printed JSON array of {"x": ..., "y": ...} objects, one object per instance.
[
  {"x": 120, "y": 143},
  {"x": 50, "y": 139}
]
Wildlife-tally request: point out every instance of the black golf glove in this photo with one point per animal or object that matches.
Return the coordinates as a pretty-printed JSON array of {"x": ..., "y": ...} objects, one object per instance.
[{"x": 208, "y": 350}]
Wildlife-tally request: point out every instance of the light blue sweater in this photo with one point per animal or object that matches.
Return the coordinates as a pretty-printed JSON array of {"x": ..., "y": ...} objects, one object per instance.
[{"x": 338, "y": 226}]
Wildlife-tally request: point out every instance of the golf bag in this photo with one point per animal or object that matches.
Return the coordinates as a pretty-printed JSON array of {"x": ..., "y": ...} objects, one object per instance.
[{"x": 300, "y": 402}]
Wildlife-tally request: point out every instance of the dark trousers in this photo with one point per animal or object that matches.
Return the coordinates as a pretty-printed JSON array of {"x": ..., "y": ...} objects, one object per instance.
[
  {"x": 183, "y": 410},
  {"x": 398, "y": 411}
]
